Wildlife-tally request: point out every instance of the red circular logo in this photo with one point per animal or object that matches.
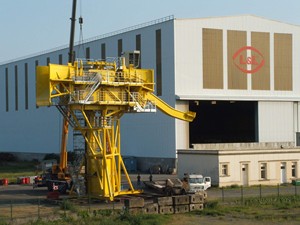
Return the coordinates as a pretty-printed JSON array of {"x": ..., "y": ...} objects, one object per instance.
[{"x": 256, "y": 60}]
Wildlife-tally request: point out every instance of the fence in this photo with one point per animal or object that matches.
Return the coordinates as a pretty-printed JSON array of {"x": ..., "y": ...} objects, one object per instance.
[
  {"x": 240, "y": 193},
  {"x": 21, "y": 211},
  {"x": 26, "y": 211}
]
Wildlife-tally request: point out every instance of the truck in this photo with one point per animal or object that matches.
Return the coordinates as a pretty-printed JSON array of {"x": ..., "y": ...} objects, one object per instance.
[
  {"x": 53, "y": 178},
  {"x": 194, "y": 183}
]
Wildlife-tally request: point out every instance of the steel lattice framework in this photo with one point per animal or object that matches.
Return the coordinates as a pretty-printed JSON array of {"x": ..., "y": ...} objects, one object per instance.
[{"x": 93, "y": 96}]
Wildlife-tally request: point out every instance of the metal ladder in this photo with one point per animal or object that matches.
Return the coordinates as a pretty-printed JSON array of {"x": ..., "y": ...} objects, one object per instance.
[
  {"x": 79, "y": 150},
  {"x": 91, "y": 88}
]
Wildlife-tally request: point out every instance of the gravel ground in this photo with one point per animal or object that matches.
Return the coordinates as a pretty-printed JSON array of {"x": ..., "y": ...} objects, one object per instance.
[{"x": 27, "y": 192}]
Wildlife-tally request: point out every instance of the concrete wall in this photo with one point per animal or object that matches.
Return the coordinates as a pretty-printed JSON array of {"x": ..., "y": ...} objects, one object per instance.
[
  {"x": 193, "y": 162},
  {"x": 273, "y": 160},
  {"x": 278, "y": 162},
  {"x": 238, "y": 146},
  {"x": 151, "y": 164}
]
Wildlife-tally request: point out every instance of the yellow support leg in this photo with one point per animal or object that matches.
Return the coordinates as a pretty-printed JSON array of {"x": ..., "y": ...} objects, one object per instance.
[{"x": 104, "y": 164}]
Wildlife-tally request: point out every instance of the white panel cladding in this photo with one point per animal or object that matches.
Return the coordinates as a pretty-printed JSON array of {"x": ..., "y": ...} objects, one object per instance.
[
  {"x": 182, "y": 127},
  {"x": 189, "y": 64},
  {"x": 276, "y": 121}
]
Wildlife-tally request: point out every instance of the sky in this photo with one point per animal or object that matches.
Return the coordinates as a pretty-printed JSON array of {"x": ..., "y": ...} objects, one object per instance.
[{"x": 32, "y": 26}]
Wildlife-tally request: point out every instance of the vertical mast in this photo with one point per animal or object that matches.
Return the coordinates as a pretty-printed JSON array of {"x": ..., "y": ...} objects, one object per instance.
[
  {"x": 72, "y": 33},
  {"x": 65, "y": 127}
]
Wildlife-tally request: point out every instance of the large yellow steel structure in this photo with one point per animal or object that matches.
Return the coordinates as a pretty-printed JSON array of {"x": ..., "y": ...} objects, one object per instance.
[{"x": 92, "y": 96}]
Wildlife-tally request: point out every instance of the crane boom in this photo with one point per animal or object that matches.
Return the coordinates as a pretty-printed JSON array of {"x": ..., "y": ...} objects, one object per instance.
[
  {"x": 170, "y": 111},
  {"x": 65, "y": 126}
]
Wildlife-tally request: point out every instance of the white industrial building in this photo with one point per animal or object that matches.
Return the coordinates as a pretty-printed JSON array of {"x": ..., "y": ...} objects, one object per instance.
[
  {"x": 240, "y": 74},
  {"x": 242, "y": 163}
]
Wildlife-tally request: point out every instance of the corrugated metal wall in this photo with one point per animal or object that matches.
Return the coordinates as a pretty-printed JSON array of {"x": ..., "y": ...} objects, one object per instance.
[
  {"x": 236, "y": 78},
  {"x": 283, "y": 58},
  {"x": 276, "y": 121},
  {"x": 237, "y": 58}
]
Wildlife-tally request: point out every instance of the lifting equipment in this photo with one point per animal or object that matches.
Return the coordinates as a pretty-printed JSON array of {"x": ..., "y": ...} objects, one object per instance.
[
  {"x": 100, "y": 92},
  {"x": 92, "y": 96}
]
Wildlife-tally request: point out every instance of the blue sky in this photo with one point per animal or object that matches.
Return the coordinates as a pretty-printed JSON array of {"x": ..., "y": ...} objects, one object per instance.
[{"x": 32, "y": 26}]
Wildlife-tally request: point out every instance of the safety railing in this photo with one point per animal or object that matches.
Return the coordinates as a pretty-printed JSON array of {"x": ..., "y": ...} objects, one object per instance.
[
  {"x": 105, "y": 97},
  {"x": 142, "y": 105}
]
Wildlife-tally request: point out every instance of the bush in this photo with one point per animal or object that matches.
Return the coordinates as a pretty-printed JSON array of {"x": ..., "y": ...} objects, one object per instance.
[
  {"x": 2, "y": 222},
  {"x": 212, "y": 204},
  {"x": 7, "y": 157},
  {"x": 71, "y": 156},
  {"x": 234, "y": 186},
  {"x": 52, "y": 156},
  {"x": 83, "y": 214},
  {"x": 67, "y": 205}
]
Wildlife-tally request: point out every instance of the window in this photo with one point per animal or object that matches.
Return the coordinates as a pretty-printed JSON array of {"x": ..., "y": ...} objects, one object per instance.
[
  {"x": 120, "y": 47},
  {"x": 87, "y": 53},
  {"x": 60, "y": 59},
  {"x": 103, "y": 51},
  {"x": 36, "y": 64},
  {"x": 16, "y": 88},
  {"x": 6, "y": 90},
  {"x": 158, "y": 63},
  {"x": 263, "y": 171},
  {"x": 138, "y": 47},
  {"x": 224, "y": 169},
  {"x": 294, "y": 169},
  {"x": 26, "y": 85}
]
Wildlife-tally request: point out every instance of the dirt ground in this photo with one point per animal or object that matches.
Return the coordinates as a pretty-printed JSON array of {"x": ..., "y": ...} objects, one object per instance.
[
  {"x": 26, "y": 191},
  {"x": 186, "y": 219},
  {"x": 24, "y": 199},
  {"x": 22, "y": 192}
]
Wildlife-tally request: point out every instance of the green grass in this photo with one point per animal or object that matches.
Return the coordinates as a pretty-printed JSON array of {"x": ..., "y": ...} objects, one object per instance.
[
  {"x": 112, "y": 218},
  {"x": 283, "y": 208},
  {"x": 267, "y": 210}
]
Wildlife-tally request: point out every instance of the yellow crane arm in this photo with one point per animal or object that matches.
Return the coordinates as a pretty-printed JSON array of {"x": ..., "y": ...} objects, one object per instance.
[
  {"x": 167, "y": 109},
  {"x": 63, "y": 151}
]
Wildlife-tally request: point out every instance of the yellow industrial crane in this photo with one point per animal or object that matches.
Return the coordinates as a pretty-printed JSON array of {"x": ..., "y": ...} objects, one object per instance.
[{"x": 99, "y": 93}]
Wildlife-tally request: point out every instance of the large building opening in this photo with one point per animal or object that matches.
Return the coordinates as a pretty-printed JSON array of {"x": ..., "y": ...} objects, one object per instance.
[{"x": 224, "y": 122}]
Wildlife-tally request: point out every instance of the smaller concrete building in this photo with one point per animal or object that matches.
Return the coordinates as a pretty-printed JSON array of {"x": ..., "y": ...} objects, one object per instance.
[{"x": 244, "y": 164}]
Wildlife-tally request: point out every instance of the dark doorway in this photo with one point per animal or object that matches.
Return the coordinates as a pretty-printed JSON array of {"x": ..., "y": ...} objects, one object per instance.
[{"x": 223, "y": 122}]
